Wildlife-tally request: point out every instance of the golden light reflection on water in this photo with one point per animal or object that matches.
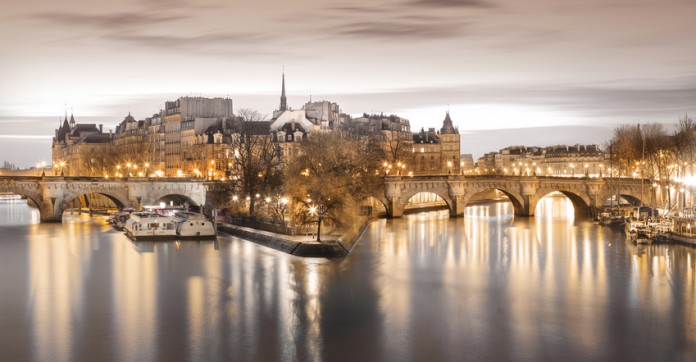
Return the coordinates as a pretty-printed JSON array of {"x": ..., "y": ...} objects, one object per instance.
[{"x": 488, "y": 286}]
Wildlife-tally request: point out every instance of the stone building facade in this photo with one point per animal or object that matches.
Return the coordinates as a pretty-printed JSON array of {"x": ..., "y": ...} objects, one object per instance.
[
  {"x": 437, "y": 151},
  {"x": 560, "y": 160}
]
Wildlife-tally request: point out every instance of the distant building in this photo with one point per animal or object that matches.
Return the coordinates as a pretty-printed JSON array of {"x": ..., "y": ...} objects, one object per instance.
[
  {"x": 466, "y": 162},
  {"x": 486, "y": 163},
  {"x": 184, "y": 120},
  {"x": 574, "y": 160},
  {"x": 327, "y": 114},
  {"x": 80, "y": 149},
  {"x": 437, "y": 151},
  {"x": 561, "y": 160}
]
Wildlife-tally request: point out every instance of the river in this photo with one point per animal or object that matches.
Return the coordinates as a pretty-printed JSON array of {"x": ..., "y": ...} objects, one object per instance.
[{"x": 484, "y": 287}]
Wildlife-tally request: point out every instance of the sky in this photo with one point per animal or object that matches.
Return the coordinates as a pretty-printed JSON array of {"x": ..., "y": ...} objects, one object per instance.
[{"x": 535, "y": 72}]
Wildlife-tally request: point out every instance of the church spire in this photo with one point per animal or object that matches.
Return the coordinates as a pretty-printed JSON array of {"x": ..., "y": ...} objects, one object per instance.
[
  {"x": 72, "y": 119},
  {"x": 283, "y": 99},
  {"x": 447, "y": 126}
]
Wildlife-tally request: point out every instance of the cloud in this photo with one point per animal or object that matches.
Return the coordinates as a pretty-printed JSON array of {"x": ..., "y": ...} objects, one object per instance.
[
  {"x": 395, "y": 29},
  {"x": 174, "y": 41},
  {"x": 638, "y": 100},
  {"x": 107, "y": 21},
  {"x": 451, "y": 3}
]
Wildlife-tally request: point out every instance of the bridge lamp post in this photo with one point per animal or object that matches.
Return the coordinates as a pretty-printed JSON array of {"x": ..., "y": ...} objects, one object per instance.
[
  {"x": 572, "y": 170},
  {"x": 40, "y": 166},
  {"x": 62, "y": 165},
  {"x": 587, "y": 170},
  {"x": 601, "y": 166}
]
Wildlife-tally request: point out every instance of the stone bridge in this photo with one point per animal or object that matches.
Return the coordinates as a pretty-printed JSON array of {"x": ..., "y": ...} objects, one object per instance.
[
  {"x": 52, "y": 195},
  {"x": 524, "y": 192}
]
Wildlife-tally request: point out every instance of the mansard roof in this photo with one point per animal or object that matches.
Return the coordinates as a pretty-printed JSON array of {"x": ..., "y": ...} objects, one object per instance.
[
  {"x": 96, "y": 138},
  {"x": 84, "y": 127},
  {"x": 257, "y": 128},
  {"x": 424, "y": 137}
]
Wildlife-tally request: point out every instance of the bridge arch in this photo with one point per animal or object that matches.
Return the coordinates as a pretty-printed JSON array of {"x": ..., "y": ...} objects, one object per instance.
[
  {"x": 515, "y": 198},
  {"x": 581, "y": 202},
  {"x": 60, "y": 206},
  {"x": 33, "y": 193},
  {"x": 629, "y": 197},
  {"x": 368, "y": 204},
  {"x": 406, "y": 197},
  {"x": 179, "y": 198}
]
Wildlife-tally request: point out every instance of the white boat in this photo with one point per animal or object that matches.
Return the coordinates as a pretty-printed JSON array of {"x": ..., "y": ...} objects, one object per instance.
[
  {"x": 118, "y": 220},
  {"x": 193, "y": 225},
  {"x": 149, "y": 226}
]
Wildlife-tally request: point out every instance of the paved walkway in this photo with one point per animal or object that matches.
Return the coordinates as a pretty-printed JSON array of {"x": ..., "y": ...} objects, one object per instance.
[{"x": 325, "y": 238}]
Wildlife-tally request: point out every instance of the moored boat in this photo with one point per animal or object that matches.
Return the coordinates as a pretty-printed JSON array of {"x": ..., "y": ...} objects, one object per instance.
[
  {"x": 612, "y": 218},
  {"x": 193, "y": 225},
  {"x": 150, "y": 226},
  {"x": 118, "y": 220}
]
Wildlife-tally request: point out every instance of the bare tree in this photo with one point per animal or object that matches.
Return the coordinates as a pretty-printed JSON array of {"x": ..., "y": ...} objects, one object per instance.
[
  {"x": 685, "y": 144},
  {"x": 256, "y": 168},
  {"x": 335, "y": 171}
]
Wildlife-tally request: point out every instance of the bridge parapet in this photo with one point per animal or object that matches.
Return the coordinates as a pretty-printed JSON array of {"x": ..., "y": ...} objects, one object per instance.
[
  {"x": 53, "y": 194},
  {"x": 523, "y": 191}
]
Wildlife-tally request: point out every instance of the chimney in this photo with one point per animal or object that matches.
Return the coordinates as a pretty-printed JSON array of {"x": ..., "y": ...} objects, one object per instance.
[{"x": 100, "y": 128}]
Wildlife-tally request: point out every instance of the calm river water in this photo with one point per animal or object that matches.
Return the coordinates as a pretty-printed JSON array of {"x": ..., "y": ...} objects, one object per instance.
[{"x": 485, "y": 287}]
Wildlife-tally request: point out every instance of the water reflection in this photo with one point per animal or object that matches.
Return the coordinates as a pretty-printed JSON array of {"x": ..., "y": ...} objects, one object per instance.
[
  {"x": 18, "y": 212},
  {"x": 487, "y": 286}
]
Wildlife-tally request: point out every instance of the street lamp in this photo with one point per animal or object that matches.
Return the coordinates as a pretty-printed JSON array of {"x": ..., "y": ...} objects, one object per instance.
[
  {"x": 449, "y": 167},
  {"x": 319, "y": 210},
  {"x": 40, "y": 166}
]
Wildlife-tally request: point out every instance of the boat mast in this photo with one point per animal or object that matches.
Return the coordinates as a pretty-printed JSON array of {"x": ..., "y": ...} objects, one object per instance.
[
  {"x": 611, "y": 172},
  {"x": 642, "y": 166}
]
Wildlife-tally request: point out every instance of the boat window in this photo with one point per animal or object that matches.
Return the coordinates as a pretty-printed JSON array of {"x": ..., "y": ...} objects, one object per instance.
[
  {"x": 191, "y": 224},
  {"x": 154, "y": 225}
]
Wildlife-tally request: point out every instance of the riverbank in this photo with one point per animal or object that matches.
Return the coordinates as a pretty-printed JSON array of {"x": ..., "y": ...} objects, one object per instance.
[{"x": 332, "y": 246}]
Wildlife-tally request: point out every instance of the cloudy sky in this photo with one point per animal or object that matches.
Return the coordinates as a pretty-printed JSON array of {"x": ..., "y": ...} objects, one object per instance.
[{"x": 535, "y": 72}]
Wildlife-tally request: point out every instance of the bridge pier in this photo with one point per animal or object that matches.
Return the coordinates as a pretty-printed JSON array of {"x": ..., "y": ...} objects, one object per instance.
[
  {"x": 395, "y": 208},
  {"x": 458, "y": 206}
]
